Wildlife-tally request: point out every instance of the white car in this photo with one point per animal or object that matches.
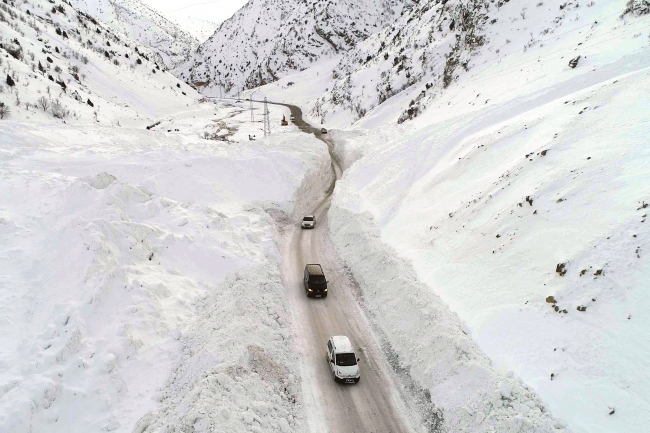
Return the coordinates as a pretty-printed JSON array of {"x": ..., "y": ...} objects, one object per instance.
[
  {"x": 343, "y": 363},
  {"x": 308, "y": 222}
]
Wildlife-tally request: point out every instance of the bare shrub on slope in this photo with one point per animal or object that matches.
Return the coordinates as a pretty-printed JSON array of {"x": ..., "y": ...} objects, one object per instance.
[{"x": 4, "y": 111}]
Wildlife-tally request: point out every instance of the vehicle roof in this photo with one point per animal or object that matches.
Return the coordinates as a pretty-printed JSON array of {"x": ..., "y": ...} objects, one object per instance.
[
  {"x": 308, "y": 216},
  {"x": 342, "y": 344},
  {"x": 315, "y": 269}
]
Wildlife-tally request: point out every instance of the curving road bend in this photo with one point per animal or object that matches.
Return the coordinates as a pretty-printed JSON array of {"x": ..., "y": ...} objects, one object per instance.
[{"x": 375, "y": 404}]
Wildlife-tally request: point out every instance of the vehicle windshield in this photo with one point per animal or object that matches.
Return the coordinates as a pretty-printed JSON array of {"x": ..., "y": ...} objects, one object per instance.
[
  {"x": 317, "y": 279},
  {"x": 308, "y": 218},
  {"x": 346, "y": 359}
]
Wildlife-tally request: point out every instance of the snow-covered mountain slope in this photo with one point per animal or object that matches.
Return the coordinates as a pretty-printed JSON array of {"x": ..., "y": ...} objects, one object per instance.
[
  {"x": 434, "y": 44},
  {"x": 518, "y": 195},
  {"x": 141, "y": 23},
  {"x": 127, "y": 236},
  {"x": 529, "y": 219},
  {"x": 52, "y": 52},
  {"x": 267, "y": 39},
  {"x": 425, "y": 47},
  {"x": 200, "y": 19}
]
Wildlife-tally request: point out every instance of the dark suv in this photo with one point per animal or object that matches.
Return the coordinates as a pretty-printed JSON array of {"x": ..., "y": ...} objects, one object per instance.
[{"x": 315, "y": 282}]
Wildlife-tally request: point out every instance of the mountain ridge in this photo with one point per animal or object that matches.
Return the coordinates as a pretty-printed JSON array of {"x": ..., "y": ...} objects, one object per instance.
[
  {"x": 269, "y": 39},
  {"x": 143, "y": 24}
]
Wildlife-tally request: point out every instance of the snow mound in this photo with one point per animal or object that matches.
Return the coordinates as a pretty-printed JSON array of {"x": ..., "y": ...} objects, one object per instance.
[
  {"x": 431, "y": 342},
  {"x": 229, "y": 384},
  {"x": 101, "y": 180},
  {"x": 137, "y": 263}
]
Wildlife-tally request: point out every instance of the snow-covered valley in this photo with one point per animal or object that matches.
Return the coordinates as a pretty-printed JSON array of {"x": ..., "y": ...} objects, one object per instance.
[
  {"x": 485, "y": 240},
  {"x": 127, "y": 258},
  {"x": 140, "y": 280},
  {"x": 518, "y": 198}
]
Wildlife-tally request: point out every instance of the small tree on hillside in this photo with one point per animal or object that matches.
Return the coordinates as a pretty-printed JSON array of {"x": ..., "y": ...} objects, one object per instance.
[
  {"x": 4, "y": 111},
  {"x": 43, "y": 103},
  {"x": 59, "y": 110}
]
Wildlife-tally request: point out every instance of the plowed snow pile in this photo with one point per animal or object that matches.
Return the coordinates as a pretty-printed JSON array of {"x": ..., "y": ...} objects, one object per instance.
[{"x": 139, "y": 277}]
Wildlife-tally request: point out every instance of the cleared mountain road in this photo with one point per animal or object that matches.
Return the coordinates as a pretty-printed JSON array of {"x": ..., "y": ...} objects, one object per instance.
[{"x": 375, "y": 404}]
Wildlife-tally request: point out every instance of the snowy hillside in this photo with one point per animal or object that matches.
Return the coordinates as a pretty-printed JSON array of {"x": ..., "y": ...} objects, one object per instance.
[
  {"x": 199, "y": 19},
  {"x": 267, "y": 39},
  {"x": 141, "y": 23},
  {"x": 63, "y": 64},
  {"x": 434, "y": 44},
  {"x": 132, "y": 214},
  {"x": 426, "y": 47},
  {"x": 518, "y": 194}
]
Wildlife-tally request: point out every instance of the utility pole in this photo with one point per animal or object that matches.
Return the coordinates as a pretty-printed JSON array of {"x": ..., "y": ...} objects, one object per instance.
[
  {"x": 250, "y": 99},
  {"x": 267, "y": 119}
]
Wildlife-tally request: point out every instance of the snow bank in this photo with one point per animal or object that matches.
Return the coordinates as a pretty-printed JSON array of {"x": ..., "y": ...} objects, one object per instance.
[
  {"x": 139, "y": 266},
  {"x": 431, "y": 342},
  {"x": 311, "y": 189},
  {"x": 236, "y": 368}
]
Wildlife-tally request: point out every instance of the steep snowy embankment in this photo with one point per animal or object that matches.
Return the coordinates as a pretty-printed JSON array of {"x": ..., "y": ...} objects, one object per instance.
[{"x": 520, "y": 198}]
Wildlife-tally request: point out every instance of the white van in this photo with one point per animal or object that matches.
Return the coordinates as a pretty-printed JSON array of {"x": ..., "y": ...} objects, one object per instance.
[
  {"x": 343, "y": 363},
  {"x": 308, "y": 222}
]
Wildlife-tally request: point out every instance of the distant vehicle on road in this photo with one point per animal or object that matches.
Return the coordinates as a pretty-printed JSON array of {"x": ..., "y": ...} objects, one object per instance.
[
  {"x": 323, "y": 131},
  {"x": 308, "y": 222},
  {"x": 315, "y": 282},
  {"x": 343, "y": 363},
  {"x": 293, "y": 119}
]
